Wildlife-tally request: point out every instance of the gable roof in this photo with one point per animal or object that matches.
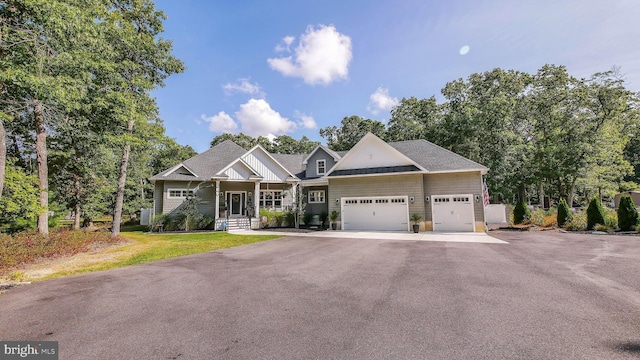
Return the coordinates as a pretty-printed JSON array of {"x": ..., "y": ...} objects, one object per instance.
[
  {"x": 424, "y": 154},
  {"x": 381, "y": 158},
  {"x": 435, "y": 158},
  {"x": 330, "y": 152},
  {"x": 246, "y": 156},
  {"x": 207, "y": 164}
]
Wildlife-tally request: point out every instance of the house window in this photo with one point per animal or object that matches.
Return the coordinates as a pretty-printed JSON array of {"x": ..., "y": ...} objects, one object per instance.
[
  {"x": 178, "y": 193},
  {"x": 316, "y": 196},
  {"x": 271, "y": 199},
  {"x": 321, "y": 167}
]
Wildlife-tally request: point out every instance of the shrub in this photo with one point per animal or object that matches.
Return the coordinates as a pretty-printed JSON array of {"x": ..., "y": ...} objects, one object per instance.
[
  {"x": 265, "y": 213},
  {"x": 537, "y": 216},
  {"x": 158, "y": 220},
  {"x": 290, "y": 218},
  {"x": 278, "y": 219},
  {"x": 578, "y": 222},
  {"x": 323, "y": 217},
  {"x": 628, "y": 217},
  {"x": 521, "y": 213},
  {"x": 610, "y": 218},
  {"x": 564, "y": 213},
  {"x": 307, "y": 218},
  {"x": 595, "y": 213},
  {"x": 29, "y": 247},
  {"x": 200, "y": 222}
]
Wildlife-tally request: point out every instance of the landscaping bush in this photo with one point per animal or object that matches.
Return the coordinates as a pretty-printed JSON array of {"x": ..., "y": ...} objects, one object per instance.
[
  {"x": 158, "y": 220},
  {"x": 307, "y": 218},
  {"x": 290, "y": 218},
  {"x": 265, "y": 213},
  {"x": 278, "y": 219},
  {"x": 578, "y": 222},
  {"x": 595, "y": 213},
  {"x": 29, "y": 247},
  {"x": 200, "y": 222},
  {"x": 323, "y": 217},
  {"x": 521, "y": 213},
  {"x": 611, "y": 218},
  {"x": 628, "y": 217},
  {"x": 564, "y": 213}
]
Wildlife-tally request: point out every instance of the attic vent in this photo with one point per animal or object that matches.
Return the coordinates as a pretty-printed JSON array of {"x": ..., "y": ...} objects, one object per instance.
[{"x": 183, "y": 172}]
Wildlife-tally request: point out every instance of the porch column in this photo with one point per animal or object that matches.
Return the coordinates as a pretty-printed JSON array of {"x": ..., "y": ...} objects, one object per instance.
[
  {"x": 256, "y": 200},
  {"x": 217, "y": 199}
]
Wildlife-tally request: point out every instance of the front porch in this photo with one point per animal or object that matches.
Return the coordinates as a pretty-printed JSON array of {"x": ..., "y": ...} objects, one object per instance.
[{"x": 237, "y": 203}]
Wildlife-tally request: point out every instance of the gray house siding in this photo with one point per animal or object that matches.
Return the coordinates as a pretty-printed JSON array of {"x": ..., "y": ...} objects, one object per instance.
[
  {"x": 387, "y": 185},
  {"x": 158, "y": 197},
  {"x": 453, "y": 184},
  {"x": 170, "y": 204},
  {"x": 311, "y": 171},
  {"x": 317, "y": 208}
]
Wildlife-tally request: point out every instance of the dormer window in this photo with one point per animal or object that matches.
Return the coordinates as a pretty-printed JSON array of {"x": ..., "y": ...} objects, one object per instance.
[{"x": 321, "y": 167}]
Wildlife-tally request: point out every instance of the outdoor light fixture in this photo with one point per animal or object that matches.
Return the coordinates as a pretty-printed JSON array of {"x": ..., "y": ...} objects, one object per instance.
[
  {"x": 337, "y": 201},
  {"x": 426, "y": 199},
  {"x": 477, "y": 198},
  {"x": 412, "y": 199}
]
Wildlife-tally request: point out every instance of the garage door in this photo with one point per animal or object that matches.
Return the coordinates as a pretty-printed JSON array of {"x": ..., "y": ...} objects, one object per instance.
[
  {"x": 452, "y": 213},
  {"x": 375, "y": 213}
]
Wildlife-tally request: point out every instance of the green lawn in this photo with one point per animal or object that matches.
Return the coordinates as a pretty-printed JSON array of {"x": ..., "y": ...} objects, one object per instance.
[{"x": 144, "y": 248}]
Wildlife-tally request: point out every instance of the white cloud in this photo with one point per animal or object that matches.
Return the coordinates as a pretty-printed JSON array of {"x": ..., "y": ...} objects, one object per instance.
[
  {"x": 321, "y": 57},
  {"x": 381, "y": 101},
  {"x": 222, "y": 123},
  {"x": 306, "y": 121},
  {"x": 287, "y": 40},
  {"x": 256, "y": 117},
  {"x": 243, "y": 86}
]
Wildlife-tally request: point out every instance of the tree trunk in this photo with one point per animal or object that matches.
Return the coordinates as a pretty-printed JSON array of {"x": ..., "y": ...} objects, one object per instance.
[
  {"x": 43, "y": 171},
  {"x": 117, "y": 212},
  {"x": 541, "y": 195},
  {"x": 76, "y": 216},
  {"x": 3, "y": 155},
  {"x": 522, "y": 193},
  {"x": 572, "y": 192}
]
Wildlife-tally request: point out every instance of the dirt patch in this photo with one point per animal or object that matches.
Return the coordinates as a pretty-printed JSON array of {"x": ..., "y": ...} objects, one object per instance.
[{"x": 98, "y": 252}]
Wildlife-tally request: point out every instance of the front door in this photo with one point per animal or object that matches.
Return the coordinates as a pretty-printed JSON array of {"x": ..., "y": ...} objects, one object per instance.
[{"x": 236, "y": 201}]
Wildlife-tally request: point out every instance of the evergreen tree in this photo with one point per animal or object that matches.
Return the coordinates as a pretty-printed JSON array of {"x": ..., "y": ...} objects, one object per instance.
[
  {"x": 595, "y": 213},
  {"x": 628, "y": 217},
  {"x": 564, "y": 213}
]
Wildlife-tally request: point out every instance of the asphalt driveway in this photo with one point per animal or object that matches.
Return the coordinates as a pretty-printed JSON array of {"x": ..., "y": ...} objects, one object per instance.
[{"x": 542, "y": 296}]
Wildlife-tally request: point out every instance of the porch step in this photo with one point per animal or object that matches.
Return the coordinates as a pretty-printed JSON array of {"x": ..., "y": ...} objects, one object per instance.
[{"x": 234, "y": 223}]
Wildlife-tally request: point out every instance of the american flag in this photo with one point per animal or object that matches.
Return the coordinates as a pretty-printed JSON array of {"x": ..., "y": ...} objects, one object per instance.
[{"x": 485, "y": 191}]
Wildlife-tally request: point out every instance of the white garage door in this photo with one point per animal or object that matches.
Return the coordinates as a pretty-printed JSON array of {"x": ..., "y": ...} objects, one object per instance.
[
  {"x": 375, "y": 213},
  {"x": 452, "y": 213}
]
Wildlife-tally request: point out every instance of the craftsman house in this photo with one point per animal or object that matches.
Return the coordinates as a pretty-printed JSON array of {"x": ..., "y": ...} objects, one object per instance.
[{"x": 374, "y": 186}]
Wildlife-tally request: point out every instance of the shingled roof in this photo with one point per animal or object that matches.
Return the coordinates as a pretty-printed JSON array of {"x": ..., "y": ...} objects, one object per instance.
[
  {"x": 430, "y": 156},
  {"x": 206, "y": 164},
  {"x": 435, "y": 158}
]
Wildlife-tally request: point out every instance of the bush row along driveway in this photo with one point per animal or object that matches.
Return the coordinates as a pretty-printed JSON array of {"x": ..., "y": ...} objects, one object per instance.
[{"x": 543, "y": 295}]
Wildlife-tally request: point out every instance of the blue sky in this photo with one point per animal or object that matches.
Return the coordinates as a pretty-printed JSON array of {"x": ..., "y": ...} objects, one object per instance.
[{"x": 292, "y": 67}]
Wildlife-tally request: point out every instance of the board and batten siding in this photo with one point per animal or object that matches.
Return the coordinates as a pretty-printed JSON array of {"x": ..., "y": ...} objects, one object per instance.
[
  {"x": 385, "y": 185},
  {"x": 265, "y": 166},
  {"x": 455, "y": 184}
]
